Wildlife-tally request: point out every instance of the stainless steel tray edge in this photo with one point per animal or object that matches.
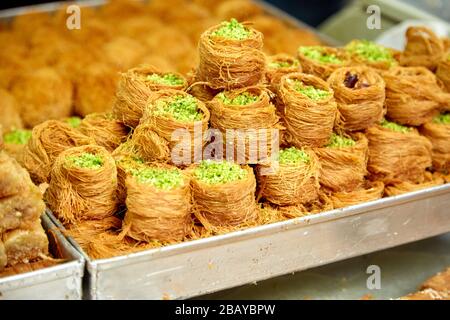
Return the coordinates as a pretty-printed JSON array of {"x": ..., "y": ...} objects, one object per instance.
[
  {"x": 280, "y": 226},
  {"x": 63, "y": 281},
  {"x": 174, "y": 273},
  {"x": 90, "y": 269},
  {"x": 188, "y": 269}
]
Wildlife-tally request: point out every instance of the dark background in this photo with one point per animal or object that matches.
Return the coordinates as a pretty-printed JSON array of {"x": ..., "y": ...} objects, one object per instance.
[{"x": 312, "y": 12}]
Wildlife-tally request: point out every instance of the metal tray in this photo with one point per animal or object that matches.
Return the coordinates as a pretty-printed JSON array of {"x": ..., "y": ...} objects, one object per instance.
[
  {"x": 207, "y": 265},
  {"x": 203, "y": 266},
  {"x": 58, "y": 282}
]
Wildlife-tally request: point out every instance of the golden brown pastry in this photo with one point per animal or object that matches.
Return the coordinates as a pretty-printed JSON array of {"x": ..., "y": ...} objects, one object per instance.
[
  {"x": 9, "y": 112},
  {"x": 24, "y": 245},
  {"x": 42, "y": 94},
  {"x": 3, "y": 258},
  {"x": 95, "y": 89},
  {"x": 439, "y": 282},
  {"x": 14, "y": 178},
  {"x": 427, "y": 294}
]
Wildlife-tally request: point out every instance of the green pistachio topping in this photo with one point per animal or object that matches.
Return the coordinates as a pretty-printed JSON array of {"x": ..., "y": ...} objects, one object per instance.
[
  {"x": 168, "y": 79},
  {"x": 337, "y": 141},
  {"x": 74, "y": 122},
  {"x": 293, "y": 156},
  {"x": 309, "y": 91},
  {"x": 318, "y": 53},
  {"x": 18, "y": 136},
  {"x": 86, "y": 161},
  {"x": 370, "y": 51},
  {"x": 161, "y": 178},
  {"x": 180, "y": 107},
  {"x": 242, "y": 99},
  {"x": 232, "y": 30},
  {"x": 443, "y": 118},
  {"x": 395, "y": 126},
  {"x": 284, "y": 64},
  {"x": 219, "y": 172}
]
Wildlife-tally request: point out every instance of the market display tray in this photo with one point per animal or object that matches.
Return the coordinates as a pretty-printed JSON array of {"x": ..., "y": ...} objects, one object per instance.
[
  {"x": 203, "y": 266},
  {"x": 60, "y": 282}
]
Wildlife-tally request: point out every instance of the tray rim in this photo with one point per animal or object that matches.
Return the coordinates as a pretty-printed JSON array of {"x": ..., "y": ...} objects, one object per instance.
[
  {"x": 95, "y": 265},
  {"x": 57, "y": 272}
]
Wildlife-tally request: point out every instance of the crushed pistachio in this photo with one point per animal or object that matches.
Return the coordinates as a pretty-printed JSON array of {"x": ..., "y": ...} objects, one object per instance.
[
  {"x": 309, "y": 91},
  {"x": 109, "y": 116},
  {"x": 284, "y": 64},
  {"x": 86, "y": 161},
  {"x": 161, "y": 178},
  {"x": 137, "y": 159},
  {"x": 74, "y": 122},
  {"x": 443, "y": 118},
  {"x": 337, "y": 141},
  {"x": 232, "y": 30},
  {"x": 318, "y": 53},
  {"x": 293, "y": 156},
  {"x": 18, "y": 136},
  {"x": 395, "y": 126},
  {"x": 242, "y": 99},
  {"x": 219, "y": 172},
  {"x": 180, "y": 107},
  {"x": 370, "y": 51},
  {"x": 167, "y": 79}
]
